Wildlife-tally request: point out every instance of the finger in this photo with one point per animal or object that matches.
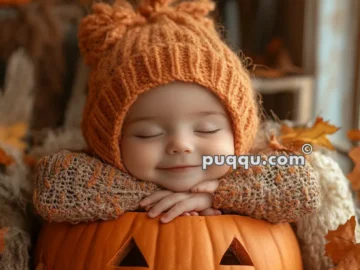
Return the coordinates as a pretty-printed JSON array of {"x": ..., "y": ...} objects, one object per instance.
[
  {"x": 181, "y": 207},
  {"x": 193, "y": 213},
  {"x": 195, "y": 188},
  {"x": 209, "y": 186},
  {"x": 148, "y": 207},
  {"x": 210, "y": 212},
  {"x": 168, "y": 202},
  {"x": 155, "y": 197},
  {"x": 186, "y": 214}
]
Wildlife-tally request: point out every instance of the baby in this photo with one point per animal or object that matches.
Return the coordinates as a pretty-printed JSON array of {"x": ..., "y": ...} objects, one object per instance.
[{"x": 164, "y": 91}]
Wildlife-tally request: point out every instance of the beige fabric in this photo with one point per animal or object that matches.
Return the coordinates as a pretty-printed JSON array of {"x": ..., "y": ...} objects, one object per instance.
[
  {"x": 275, "y": 193},
  {"x": 75, "y": 187}
]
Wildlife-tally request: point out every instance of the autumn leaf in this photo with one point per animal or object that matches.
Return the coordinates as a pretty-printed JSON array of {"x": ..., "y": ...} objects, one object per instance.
[
  {"x": 341, "y": 241},
  {"x": 354, "y": 135},
  {"x": 276, "y": 145},
  {"x": 286, "y": 129},
  {"x": 315, "y": 135},
  {"x": 3, "y": 231},
  {"x": 354, "y": 175},
  {"x": 351, "y": 261},
  {"x": 30, "y": 161},
  {"x": 13, "y": 135},
  {"x": 5, "y": 160},
  {"x": 342, "y": 247}
]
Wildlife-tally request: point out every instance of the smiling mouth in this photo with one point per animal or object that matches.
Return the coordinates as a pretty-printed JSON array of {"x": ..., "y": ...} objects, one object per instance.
[{"x": 179, "y": 168}]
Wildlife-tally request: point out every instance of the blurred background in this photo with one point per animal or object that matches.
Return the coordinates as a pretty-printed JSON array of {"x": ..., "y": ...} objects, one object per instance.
[{"x": 304, "y": 57}]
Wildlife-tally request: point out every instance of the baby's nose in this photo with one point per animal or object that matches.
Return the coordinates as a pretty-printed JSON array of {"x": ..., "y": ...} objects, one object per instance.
[{"x": 179, "y": 145}]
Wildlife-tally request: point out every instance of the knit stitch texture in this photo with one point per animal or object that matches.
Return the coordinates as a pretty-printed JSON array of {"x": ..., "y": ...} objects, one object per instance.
[
  {"x": 132, "y": 51},
  {"x": 75, "y": 187}
]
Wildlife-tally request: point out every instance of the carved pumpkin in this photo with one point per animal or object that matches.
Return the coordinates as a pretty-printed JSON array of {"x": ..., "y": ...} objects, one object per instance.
[{"x": 135, "y": 241}]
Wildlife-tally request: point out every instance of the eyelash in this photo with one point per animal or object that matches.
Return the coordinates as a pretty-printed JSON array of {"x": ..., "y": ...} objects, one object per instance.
[
  {"x": 147, "y": 137},
  {"x": 209, "y": 132},
  {"x": 204, "y": 132}
]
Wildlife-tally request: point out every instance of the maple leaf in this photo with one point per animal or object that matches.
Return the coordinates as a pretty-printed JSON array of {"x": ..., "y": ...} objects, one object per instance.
[
  {"x": 354, "y": 154},
  {"x": 341, "y": 241},
  {"x": 13, "y": 135},
  {"x": 342, "y": 248},
  {"x": 315, "y": 135},
  {"x": 30, "y": 161},
  {"x": 3, "y": 231},
  {"x": 354, "y": 175},
  {"x": 354, "y": 135},
  {"x": 276, "y": 145},
  {"x": 5, "y": 160},
  {"x": 351, "y": 261}
]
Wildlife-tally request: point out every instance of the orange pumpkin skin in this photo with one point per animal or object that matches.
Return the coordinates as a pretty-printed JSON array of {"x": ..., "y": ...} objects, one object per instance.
[{"x": 187, "y": 242}]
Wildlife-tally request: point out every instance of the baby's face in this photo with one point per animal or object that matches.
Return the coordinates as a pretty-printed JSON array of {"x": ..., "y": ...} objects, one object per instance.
[{"x": 175, "y": 125}]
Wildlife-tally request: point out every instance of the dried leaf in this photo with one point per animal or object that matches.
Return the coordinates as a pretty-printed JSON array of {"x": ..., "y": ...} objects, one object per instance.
[
  {"x": 315, "y": 135},
  {"x": 286, "y": 129},
  {"x": 3, "y": 231},
  {"x": 275, "y": 145},
  {"x": 341, "y": 241},
  {"x": 354, "y": 135},
  {"x": 30, "y": 161},
  {"x": 5, "y": 159},
  {"x": 13, "y": 135},
  {"x": 354, "y": 175},
  {"x": 351, "y": 261}
]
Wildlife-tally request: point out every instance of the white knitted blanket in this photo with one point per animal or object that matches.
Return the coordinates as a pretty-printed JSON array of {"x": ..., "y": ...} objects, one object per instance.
[{"x": 337, "y": 206}]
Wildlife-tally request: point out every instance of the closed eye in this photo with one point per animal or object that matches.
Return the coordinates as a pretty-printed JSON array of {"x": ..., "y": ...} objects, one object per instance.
[
  {"x": 208, "y": 132},
  {"x": 147, "y": 137}
]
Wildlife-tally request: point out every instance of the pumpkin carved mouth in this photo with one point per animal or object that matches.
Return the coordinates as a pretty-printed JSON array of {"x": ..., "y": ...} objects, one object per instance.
[
  {"x": 236, "y": 255},
  {"x": 135, "y": 241},
  {"x": 130, "y": 255}
]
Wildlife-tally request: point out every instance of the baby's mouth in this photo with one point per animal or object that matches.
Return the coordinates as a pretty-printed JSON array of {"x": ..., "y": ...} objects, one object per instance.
[{"x": 179, "y": 168}]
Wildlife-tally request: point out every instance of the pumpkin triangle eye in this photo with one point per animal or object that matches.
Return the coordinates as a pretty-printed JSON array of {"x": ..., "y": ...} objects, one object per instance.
[
  {"x": 130, "y": 255},
  {"x": 236, "y": 255}
]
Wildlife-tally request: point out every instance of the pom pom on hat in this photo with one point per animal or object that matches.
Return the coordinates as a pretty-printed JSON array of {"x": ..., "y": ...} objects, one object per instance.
[{"x": 132, "y": 51}]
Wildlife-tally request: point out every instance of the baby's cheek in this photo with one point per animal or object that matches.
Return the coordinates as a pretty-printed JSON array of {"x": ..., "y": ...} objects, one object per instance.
[
  {"x": 218, "y": 147},
  {"x": 215, "y": 149},
  {"x": 140, "y": 159}
]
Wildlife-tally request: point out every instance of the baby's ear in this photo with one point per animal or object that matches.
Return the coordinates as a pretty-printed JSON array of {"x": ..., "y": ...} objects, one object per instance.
[{"x": 101, "y": 30}]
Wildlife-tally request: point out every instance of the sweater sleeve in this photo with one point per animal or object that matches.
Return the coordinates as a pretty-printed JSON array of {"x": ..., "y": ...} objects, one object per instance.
[
  {"x": 274, "y": 193},
  {"x": 75, "y": 187}
]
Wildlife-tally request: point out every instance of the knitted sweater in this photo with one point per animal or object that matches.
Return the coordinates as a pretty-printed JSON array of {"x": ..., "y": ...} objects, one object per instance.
[{"x": 76, "y": 187}]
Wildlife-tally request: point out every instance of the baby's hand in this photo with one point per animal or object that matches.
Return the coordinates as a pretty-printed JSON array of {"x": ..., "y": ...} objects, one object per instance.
[
  {"x": 208, "y": 186},
  {"x": 206, "y": 212},
  {"x": 155, "y": 197},
  {"x": 178, "y": 203}
]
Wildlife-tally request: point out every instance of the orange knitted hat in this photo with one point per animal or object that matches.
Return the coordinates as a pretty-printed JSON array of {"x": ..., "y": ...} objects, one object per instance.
[{"x": 131, "y": 51}]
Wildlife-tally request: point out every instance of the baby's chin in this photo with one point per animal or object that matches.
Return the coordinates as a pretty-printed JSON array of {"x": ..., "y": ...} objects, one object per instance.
[
  {"x": 180, "y": 184},
  {"x": 182, "y": 181}
]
